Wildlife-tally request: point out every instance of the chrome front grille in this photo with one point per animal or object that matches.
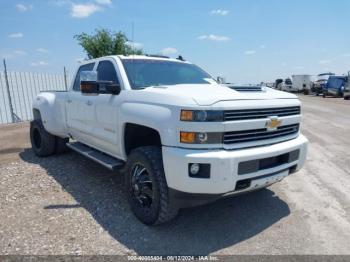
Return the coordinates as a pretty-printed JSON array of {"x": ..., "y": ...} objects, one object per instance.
[
  {"x": 246, "y": 114},
  {"x": 259, "y": 134}
]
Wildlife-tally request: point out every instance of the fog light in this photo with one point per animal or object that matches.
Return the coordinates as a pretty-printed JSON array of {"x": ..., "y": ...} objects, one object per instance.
[
  {"x": 197, "y": 170},
  {"x": 202, "y": 137},
  {"x": 194, "y": 169}
]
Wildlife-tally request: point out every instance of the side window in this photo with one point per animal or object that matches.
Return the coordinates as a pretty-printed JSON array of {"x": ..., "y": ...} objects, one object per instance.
[
  {"x": 106, "y": 72},
  {"x": 87, "y": 67}
]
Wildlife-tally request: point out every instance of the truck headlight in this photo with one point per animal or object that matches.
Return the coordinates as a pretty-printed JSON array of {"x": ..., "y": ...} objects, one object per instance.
[
  {"x": 202, "y": 115},
  {"x": 201, "y": 137}
]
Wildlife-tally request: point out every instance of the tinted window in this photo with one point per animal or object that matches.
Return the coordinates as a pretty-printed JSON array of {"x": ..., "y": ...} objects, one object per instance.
[
  {"x": 278, "y": 81},
  {"x": 87, "y": 67},
  {"x": 106, "y": 72},
  {"x": 288, "y": 81},
  {"x": 146, "y": 72}
]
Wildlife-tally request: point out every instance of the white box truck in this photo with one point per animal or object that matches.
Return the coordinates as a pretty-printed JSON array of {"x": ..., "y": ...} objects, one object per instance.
[{"x": 302, "y": 83}]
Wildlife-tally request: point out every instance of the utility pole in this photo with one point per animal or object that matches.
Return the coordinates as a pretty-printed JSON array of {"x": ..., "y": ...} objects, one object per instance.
[
  {"x": 132, "y": 37},
  {"x": 65, "y": 78},
  {"x": 8, "y": 92}
]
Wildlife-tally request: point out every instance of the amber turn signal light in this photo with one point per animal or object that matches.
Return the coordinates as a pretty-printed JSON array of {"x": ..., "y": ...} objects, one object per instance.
[
  {"x": 186, "y": 115},
  {"x": 187, "y": 137}
]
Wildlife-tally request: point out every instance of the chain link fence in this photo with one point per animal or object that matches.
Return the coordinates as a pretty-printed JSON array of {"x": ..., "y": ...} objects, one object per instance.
[{"x": 19, "y": 89}]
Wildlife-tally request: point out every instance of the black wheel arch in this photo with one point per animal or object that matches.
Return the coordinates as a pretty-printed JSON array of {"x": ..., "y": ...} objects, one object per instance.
[
  {"x": 136, "y": 136},
  {"x": 36, "y": 114}
]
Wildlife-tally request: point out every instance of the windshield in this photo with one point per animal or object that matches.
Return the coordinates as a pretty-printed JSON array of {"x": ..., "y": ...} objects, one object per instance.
[
  {"x": 288, "y": 81},
  {"x": 147, "y": 72}
]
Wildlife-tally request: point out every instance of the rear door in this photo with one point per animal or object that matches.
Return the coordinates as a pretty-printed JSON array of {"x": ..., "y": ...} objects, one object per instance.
[{"x": 80, "y": 110}]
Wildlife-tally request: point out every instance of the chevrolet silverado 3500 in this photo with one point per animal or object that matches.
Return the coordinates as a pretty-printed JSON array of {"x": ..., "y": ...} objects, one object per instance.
[{"x": 180, "y": 138}]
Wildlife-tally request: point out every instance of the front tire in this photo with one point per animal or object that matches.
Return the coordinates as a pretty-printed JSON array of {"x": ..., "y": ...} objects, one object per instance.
[
  {"x": 43, "y": 143},
  {"x": 147, "y": 189},
  {"x": 61, "y": 145}
]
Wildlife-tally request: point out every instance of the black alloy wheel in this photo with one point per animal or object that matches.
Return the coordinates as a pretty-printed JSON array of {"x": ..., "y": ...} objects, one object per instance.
[{"x": 142, "y": 186}]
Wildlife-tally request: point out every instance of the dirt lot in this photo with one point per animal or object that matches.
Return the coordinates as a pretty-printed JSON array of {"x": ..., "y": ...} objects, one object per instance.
[{"x": 69, "y": 205}]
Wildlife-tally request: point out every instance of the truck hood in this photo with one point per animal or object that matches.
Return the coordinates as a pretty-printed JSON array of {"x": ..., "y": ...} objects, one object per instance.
[{"x": 209, "y": 94}]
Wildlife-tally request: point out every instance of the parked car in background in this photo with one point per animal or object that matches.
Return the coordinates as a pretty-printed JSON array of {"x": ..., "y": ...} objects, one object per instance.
[
  {"x": 320, "y": 83},
  {"x": 335, "y": 86},
  {"x": 270, "y": 84},
  {"x": 287, "y": 85},
  {"x": 278, "y": 84},
  {"x": 347, "y": 88},
  {"x": 302, "y": 83},
  {"x": 318, "y": 86}
]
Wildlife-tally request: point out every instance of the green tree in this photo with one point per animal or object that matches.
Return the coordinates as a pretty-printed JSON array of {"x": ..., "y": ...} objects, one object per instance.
[{"x": 104, "y": 42}]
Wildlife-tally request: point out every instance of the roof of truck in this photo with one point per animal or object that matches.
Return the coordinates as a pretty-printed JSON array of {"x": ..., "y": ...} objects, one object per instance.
[
  {"x": 151, "y": 57},
  {"x": 326, "y": 74},
  {"x": 140, "y": 57},
  {"x": 340, "y": 77},
  {"x": 143, "y": 57}
]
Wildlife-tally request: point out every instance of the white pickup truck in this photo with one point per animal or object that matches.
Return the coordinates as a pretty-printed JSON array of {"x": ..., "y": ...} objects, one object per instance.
[{"x": 180, "y": 138}]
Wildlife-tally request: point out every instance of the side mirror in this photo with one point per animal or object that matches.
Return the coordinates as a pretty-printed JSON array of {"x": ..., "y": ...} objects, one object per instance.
[
  {"x": 113, "y": 89},
  {"x": 88, "y": 82},
  {"x": 90, "y": 85},
  {"x": 108, "y": 87},
  {"x": 90, "y": 76},
  {"x": 99, "y": 87}
]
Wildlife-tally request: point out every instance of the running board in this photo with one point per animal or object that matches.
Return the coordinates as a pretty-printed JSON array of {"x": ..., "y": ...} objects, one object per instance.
[{"x": 97, "y": 156}]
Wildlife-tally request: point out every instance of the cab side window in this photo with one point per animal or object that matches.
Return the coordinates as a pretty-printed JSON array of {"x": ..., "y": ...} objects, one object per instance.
[
  {"x": 106, "y": 72},
  {"x": 87, "y": 67}
]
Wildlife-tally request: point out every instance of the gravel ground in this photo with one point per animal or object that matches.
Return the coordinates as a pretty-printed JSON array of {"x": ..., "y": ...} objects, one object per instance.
[{"x": 69, "y": 205}]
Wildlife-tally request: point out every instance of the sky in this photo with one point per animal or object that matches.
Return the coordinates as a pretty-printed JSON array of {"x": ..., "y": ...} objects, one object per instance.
[{"x": 243, "y": 41}]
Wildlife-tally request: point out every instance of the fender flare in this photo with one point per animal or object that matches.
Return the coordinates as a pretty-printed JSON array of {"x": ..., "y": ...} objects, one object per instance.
[
  {"x": 51, "y": 110},
  {"x": 153, "y": 116}
]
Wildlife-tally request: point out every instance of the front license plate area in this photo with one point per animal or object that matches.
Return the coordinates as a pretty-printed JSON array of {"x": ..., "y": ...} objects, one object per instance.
[{"x": 268, "y": 180}]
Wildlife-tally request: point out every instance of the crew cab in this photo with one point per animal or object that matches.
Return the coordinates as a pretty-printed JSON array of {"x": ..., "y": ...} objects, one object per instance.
[{"x": 180, "y": 138}]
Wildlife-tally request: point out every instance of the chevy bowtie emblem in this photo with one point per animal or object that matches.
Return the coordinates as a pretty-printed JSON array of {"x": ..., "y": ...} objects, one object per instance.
[{"x": 272, "y": 123}]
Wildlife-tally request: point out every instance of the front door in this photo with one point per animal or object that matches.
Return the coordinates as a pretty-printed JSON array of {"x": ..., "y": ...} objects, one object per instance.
[{"x": 106, "y": 111}]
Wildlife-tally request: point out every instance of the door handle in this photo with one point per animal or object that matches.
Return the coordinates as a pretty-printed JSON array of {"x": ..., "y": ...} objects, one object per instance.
[
  {"x": 69, "y": 101},
  {"x": 89, "y": 103}
]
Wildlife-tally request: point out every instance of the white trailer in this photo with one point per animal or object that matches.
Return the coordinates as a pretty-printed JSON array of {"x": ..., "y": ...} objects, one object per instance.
[{"x": 302, "y": 83}]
